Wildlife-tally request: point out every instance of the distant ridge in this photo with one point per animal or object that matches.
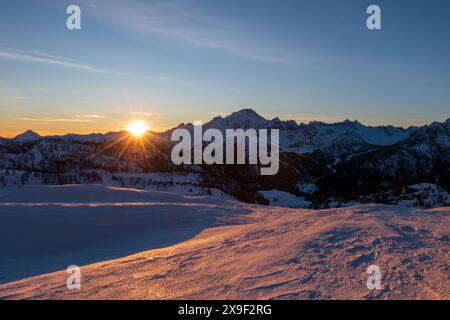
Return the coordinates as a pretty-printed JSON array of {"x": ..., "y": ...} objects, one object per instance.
[
  {"x": 249, "y": 118},
  {"x": 27, "y": 136},
  {"x": 327, "y": 164}
]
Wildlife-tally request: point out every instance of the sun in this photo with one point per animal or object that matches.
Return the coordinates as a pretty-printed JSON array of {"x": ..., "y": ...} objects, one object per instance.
[{"x": 137, "y": 128}]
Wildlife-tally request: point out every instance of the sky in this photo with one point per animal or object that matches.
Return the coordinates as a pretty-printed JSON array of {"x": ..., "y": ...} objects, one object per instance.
[{"x": 167, "y": 62}]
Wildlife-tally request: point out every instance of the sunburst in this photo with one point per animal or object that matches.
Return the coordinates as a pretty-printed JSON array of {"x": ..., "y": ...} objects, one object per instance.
[{"x": 137, "y": 128}]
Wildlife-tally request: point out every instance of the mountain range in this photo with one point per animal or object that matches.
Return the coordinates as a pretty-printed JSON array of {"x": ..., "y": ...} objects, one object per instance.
[{"x": 324, "y": 164}]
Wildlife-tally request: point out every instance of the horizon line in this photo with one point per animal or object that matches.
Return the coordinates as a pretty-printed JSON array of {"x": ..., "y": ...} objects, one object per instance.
[{"x": 223, "y": 115}]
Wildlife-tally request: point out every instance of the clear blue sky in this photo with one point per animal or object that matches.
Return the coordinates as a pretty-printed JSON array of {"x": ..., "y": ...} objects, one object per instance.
[{"x": 178, "y": 61}]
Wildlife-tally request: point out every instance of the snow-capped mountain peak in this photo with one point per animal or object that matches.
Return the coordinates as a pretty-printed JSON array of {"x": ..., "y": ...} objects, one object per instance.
[
  {"x": 334, "y": 138},
  {"x": 27, "y": 136},
  {"x": 244, "y": 119}
]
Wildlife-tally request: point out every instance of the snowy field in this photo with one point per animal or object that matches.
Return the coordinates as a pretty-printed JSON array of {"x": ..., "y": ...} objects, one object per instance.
[
  {"x": 136, "y": 244},
  {"x": 47, "y": 228}
]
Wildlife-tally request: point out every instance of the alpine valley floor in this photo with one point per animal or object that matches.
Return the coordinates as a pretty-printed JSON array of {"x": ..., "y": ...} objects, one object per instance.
[{"x": 135, "y": 244}]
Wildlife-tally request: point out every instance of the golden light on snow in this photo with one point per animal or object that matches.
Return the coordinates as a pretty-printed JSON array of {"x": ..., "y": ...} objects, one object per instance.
[{"x": 137, "y": 128}]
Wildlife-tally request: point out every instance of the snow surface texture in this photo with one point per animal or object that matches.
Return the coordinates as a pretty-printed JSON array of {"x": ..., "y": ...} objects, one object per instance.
[
  {"x": 79, "y": 224},
  {"x": 210, "y": 248}
]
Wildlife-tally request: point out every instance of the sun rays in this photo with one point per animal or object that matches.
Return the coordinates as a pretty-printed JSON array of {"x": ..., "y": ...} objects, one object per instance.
[
  {"x": 135, "y": 141},
  {"x": 137, "y": 128}
]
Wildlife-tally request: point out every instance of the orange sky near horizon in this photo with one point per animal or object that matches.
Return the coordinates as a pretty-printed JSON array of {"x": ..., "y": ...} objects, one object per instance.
[
  {"x": 88, "y": 124},
  {"x": 51, "y": 128}
]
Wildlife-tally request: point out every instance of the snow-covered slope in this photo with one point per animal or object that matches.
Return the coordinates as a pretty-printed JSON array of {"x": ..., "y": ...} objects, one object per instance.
[
  {"x": 224, "y": 250},
  {"x": 95, "y": 194},
  {"x": 346, "y": 136},
  {"x": 47, "y": 228},
  {"x": 422, "y": 157},
  {"x": 429, "y": 194}
]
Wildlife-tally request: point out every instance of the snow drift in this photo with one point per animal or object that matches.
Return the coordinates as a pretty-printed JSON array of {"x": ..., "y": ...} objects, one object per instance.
[{"x": 237, "y": 251}]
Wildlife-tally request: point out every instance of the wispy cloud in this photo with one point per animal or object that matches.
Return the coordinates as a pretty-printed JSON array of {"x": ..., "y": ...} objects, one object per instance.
[
  {"x": 178, "y": 20},
  {"x": 34, "y": 57},
  {"x": 49, "y": 59},
  {"x": 45, "y": 119},
  {"x": 90, "y": 116}
]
